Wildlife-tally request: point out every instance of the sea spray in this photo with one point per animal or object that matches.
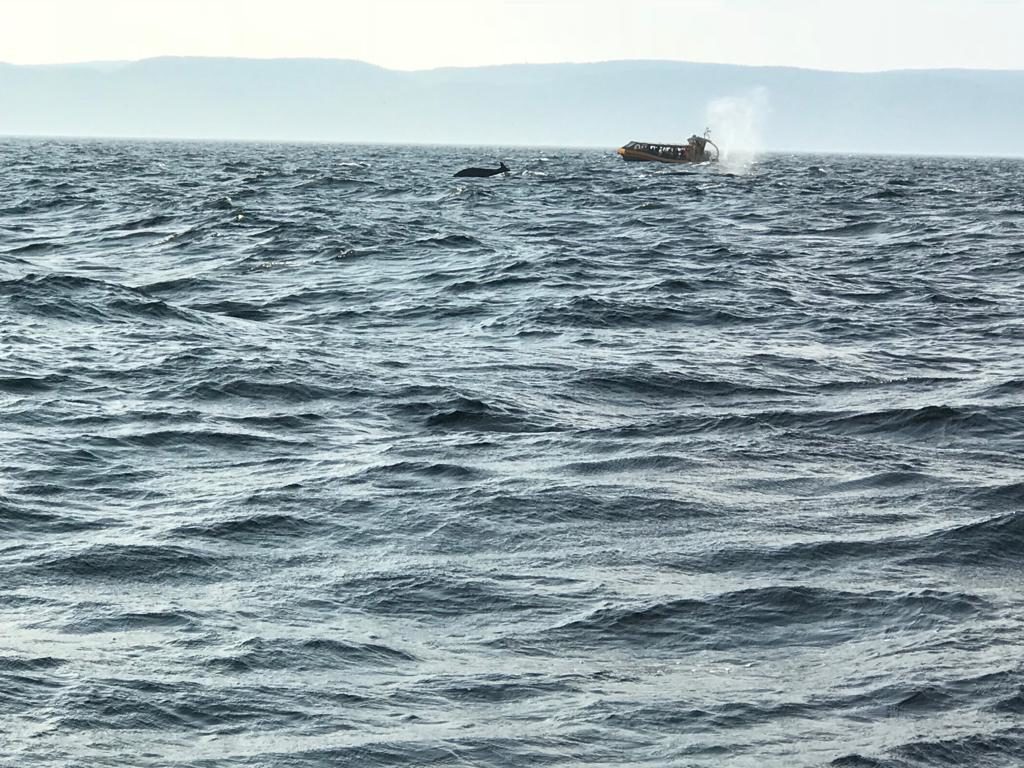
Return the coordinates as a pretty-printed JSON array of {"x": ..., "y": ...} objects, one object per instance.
[{"x": 736, "y": 127}]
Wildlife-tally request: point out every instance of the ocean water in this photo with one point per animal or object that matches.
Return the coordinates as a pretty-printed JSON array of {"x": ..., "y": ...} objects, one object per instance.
[{"x": 316, "y": 456}]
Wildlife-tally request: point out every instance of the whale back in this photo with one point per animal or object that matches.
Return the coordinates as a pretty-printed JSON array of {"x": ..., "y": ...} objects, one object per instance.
[
  {"x": 482, "y": 172},
  {"x": 478, "y": 172}
]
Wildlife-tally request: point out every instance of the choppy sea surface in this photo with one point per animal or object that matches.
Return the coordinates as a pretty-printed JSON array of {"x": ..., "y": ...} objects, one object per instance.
[{"x": 316, "y": 456}]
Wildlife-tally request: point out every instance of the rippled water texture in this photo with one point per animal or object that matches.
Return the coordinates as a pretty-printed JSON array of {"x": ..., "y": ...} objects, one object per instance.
[{"x": 316, "y": 456}]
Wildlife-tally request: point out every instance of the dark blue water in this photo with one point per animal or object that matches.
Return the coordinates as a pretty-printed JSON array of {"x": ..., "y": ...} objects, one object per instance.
[{"x": 315, "y": 456}]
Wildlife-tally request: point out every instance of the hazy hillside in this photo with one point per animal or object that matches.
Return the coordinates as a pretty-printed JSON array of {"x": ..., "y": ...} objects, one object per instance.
[{"x": 970, "y": 112}]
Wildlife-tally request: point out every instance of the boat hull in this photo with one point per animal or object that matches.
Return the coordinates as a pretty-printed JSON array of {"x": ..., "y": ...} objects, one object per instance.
[
  {"x": 633, "y": 156},
  {"x": 694, "y": 151}
]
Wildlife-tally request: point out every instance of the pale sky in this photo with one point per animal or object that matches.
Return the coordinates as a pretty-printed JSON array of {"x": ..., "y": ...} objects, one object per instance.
[{"x": 855, "y": 35}]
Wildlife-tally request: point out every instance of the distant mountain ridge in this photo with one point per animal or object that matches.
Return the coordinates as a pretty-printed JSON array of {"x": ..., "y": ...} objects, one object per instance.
[{"x": 601, "y": 104}]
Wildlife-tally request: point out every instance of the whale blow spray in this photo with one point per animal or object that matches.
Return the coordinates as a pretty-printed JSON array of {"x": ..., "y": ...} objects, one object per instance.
[{"x": 736, "y": 124}]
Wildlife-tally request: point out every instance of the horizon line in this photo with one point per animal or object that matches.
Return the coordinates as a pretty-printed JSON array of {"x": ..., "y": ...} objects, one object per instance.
[
  {"x": 777, "y": 151},
  {"x": 596, "y": 62}
]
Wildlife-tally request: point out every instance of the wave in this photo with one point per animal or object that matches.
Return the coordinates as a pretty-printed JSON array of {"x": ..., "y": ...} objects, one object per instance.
[
  {"x": 259, "y": 654},
  {"x": 255, "y": 529},
  {"x": 1002, "y": 747},
  {"x": 33, "y": 249},
  {"x": 435, "y": 594},
  {"x": 15, "y": 664},
  {"x": 451, "y": 241},
  {"x": 138, "y": 562},
  {"x": 646, "y": 380},
  {"x": 331, "y": 182},
  {"x": 1012, "y": 386},
  {"x": 590, "y": 312},
  {"x": 15, "y": 519},
  {"x": 776, "y": 616},
  {"x": 78, "y": 299},
  {"x": 450, "y": 411},
  {"x": 220, "y": 439},
  {"x": 238, "y": 309},
  {"x": 659, "y": 462},
  {"x": 410, "y": 474},
  {"x": 554, "y": 505},
  {"x": 144, "y": 223},
  {"x": 127, "y": 705},
  {"x": 293, "y": 391},
  {"x": 178, "y": 621},
  {"x": 30, "y": 385},
  {"x": 993, "y": 542},
  {"x": 477, "y": 416},
  {"x": 932, "y": 422}
]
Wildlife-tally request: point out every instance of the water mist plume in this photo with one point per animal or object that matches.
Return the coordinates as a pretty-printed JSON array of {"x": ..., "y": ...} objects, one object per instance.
[{"x": 736, "y": 127}]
